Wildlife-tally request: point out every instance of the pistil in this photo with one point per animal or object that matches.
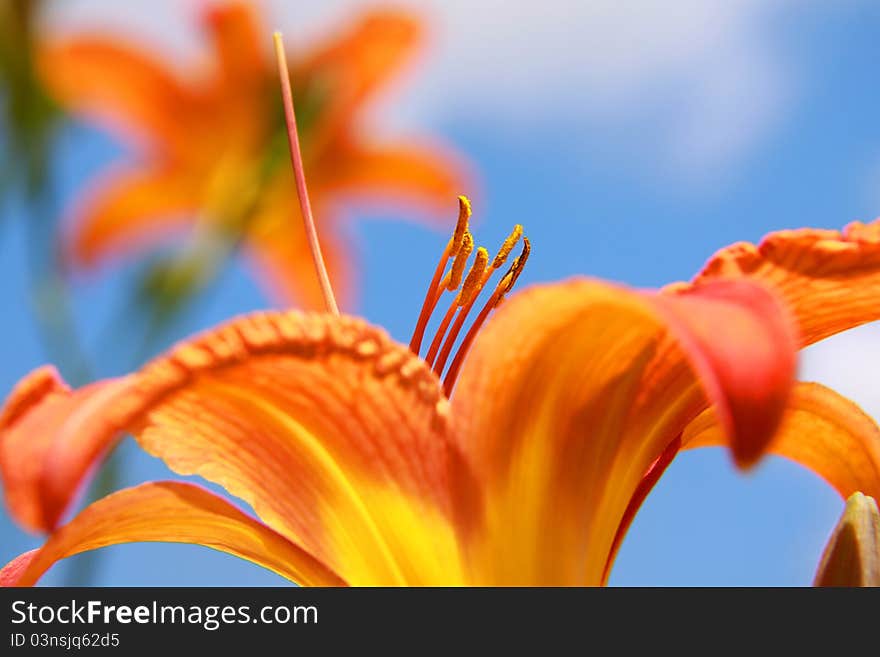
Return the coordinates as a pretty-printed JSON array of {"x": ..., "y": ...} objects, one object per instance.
[{"x": 300, "y": 178}]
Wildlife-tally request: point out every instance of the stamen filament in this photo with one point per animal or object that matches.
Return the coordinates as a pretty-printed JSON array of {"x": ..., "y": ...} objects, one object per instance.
[
  {"x": 300, "y": 177},
  {"x": 504, "y": 286},
  {"x": 435, "y": 289},
  {"x": 441, "y": 331},
  {"x": 467, "y": 297},
  {"x": 452, "y": 374},
  {"x": 430, "y": 303}
]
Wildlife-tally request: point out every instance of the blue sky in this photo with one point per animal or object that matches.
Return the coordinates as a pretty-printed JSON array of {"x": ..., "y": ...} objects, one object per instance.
[{"x": 631, "y": 142}]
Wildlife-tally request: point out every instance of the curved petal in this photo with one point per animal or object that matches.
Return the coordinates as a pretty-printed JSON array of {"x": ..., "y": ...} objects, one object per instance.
[
  {"x": 646, "y": 485},
  {"x": 337, "y": 436},
  {"x": 353, "y": 66},
  {"x": 131, "y": 210},
  {"x": 830, "y": 279},
  {"x": 418, "y": 174},
  {"x": 236, "y": 36},
  {"x": 741, "y": 343},
  {"x": 552, "y": 418},
  {"x": 175, "y": 513},
  {"x": 45, "y": 455},
  {"x": 821, "y": 430},
  {"x": 121, "y": 87}
]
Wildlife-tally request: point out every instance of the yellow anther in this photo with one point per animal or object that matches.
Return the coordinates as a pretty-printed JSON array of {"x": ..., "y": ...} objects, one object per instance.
[
  {"x": 507, "y": 246},
  {"x": 461, "y": 227},
  {"x": 461, "y": 258},
  {"x": 520, "y": 262},
  {"x": 474, "y": 280},
  {"x": 509, "y": 279}
]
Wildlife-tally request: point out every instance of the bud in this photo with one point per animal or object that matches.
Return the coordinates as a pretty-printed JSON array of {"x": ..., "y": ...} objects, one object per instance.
[{"x": 852, "y": 556}]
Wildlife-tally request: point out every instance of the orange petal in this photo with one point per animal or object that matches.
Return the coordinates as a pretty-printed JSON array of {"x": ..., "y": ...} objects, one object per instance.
[
  {"x": 821, "y": 430},
  {"x": 412, "y": 173},
  {"x": 334, "y": 434},
  {"x": 119, "y": 86},
  {"x": 355, "y": 65},
  {"x": 649, "y": 480},
  {"x": 131, "y": 210},
  {"x": 237, "y": 37},
  {"x": 175, "y": 513},
  {"x": 50, "y": 437},
  {"x": 551, "y": 413},
  {"x": 717, "y": 335},
  {"x": 830, "y": 279}
]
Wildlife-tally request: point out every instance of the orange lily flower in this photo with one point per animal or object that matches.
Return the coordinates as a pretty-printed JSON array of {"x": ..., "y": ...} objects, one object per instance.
[
  {"x": 208, "y": 146},
  {"x": 363, "y": 467}
]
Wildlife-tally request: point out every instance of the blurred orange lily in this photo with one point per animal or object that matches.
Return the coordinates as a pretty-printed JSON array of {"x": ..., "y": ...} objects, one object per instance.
[
  {"x": 364, "y": 468},
  {"x": 210, "y": 147}
]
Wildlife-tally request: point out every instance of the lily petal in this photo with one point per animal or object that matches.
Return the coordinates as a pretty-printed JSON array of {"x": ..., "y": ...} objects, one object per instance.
[
  {"x": 337, "y": 436},
  {"x": 131, "y": 210},
  {"x": 649, "y": 480},
  {"x": 821, "y": 430},
  {"x": 550, "y": 412},
  {"x": 46, "y": 455},
  {"x": 742, "y": 344},
  {"x": 355, "y": 65},
  {"x": 830, "y": 279},
  {"x": 852, "y": 556},
  {"x": 176, "y": 513},
  {"x": 413, "y": 173},
  {"x": 128, "y": 91},
  {"x": 237, "y": 36}
]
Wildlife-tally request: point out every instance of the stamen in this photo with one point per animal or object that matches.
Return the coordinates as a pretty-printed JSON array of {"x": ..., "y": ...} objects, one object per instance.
[
  {"x": 441, "y": 331},
  {"x": 464, "y": 296},
  {"x": 435, "y": 289},
  {"x": 300, "y": 178},
  {"x": 461, "y": 226},
  {"x": 504, "y": 286},
  {"x": 507, "y": 246},
  {"x": 461, "y": 258},
  {"x": 452, "y": 374},
  {"x": 430, "y": 302},
  {"x": 465, "y": 302},
  {"x": 475, "y": 278},
  {"x": 516, "y": 268}
]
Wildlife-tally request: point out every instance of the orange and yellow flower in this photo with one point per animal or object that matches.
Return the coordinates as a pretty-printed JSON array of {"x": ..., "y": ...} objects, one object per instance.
[
  {"x": 520, "y": 458},
  {"x": 523, "y": 464},
  {"x": 210, "y": 146}
]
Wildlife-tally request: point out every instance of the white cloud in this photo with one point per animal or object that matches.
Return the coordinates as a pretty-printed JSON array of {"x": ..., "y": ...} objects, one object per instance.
[
  {"x": 696, "y": 82},
  {"x": 848, "y": 363}
]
